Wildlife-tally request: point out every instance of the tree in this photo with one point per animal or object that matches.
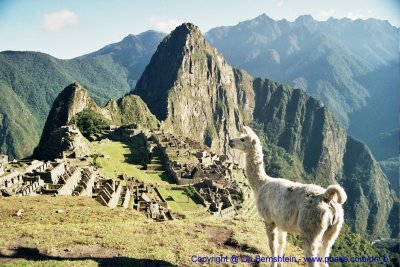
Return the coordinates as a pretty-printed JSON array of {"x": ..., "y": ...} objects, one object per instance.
[
  {"x": 189, "y": 191},
  {"x": 90, "y": 123}
]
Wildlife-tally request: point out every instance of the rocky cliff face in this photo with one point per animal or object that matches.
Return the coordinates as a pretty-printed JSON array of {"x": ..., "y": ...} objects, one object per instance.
[
  {"x": 350, "y": 65},
  {"x": 190, "y": 87},
  {"x": 370, "y": 197},
  {"x": 303, "y": 127}
]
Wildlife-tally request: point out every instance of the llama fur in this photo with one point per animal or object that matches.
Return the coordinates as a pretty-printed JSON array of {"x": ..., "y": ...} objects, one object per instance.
[{"x": 315, "y": 213}]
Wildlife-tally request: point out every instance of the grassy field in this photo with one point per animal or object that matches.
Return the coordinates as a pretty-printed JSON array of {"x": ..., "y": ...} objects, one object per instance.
[
  {"x": 180, "y": 203},
  {"x": 83, "y": 233},
  {"x": 115, "y": 161}
]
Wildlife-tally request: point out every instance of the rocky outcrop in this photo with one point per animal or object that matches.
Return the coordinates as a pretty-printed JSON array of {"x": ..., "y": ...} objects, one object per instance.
[
  {"x": 63, "y": 139},
  {"x": 190, "y": 87},
  {"x": 72, "y": 100}
]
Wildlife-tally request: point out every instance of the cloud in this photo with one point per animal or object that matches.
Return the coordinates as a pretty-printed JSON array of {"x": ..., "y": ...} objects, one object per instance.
[
  {"x": 279, "y": 3},
  {"x": 54, "y": 22},
  {"x": 164, "y": 25},
  {"x": 326, "y": 14}
]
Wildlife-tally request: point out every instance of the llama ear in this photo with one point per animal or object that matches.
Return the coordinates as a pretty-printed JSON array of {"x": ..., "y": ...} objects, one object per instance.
[{"x": 245, "y": 130}]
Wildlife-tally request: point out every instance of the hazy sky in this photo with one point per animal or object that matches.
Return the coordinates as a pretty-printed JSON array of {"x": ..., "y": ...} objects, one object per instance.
[{"x": 66, "y": 29}]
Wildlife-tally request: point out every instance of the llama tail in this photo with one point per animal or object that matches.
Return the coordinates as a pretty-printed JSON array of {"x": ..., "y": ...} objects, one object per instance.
[{"x": 333, "y": 190}]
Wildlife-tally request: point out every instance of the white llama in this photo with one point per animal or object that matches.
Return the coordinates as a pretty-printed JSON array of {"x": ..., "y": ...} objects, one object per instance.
[{"x": 289, "y": 207}]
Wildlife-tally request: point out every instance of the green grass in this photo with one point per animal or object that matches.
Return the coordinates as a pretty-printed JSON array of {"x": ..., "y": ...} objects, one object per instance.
[
  {"x": 179, "y": 202},
  {"x": 126, "y": 236},
  {"x": 118, "y": 163}
]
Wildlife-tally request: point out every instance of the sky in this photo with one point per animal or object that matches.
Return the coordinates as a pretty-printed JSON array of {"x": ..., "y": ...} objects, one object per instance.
[{"x": 67, "y": 29}]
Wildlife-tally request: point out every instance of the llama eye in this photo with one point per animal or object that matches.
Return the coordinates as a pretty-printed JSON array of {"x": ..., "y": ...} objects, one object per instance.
[{"x": 242, "y": 139}]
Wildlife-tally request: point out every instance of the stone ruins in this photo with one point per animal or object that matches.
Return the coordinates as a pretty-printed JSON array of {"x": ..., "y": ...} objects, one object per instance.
[
  {"x": 190, "y": 163},
  {"x": 34, "y": 177},
  {"x": 186, "y": 161}
]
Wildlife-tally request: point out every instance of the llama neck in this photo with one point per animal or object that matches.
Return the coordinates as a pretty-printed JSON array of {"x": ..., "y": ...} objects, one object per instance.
[{"x": 255, "y": 171}]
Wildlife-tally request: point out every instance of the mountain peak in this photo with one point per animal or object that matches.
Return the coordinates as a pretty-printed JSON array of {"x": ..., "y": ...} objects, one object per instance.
[
  {"x": 184, "y": 31},
  {"x": 76, "y": 86},
  {"x": 305, "y": 19},
  {"x": 190, "y": 27},
  {"x": 263, "y": 17},
  {"x": 168, "y": 59},
  {"x": 130, "y": 38}
]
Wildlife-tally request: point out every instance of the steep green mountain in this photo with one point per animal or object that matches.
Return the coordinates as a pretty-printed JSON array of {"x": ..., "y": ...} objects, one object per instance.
[
  {"x": 30, "y": 82},
  {"x": 352, "y": 66},
  {"x": 18, "y": 126},
  {"x": 71, "y": 101},
  {"x": 74, "y": 101},
  {"x": 194, "y": 92},
  {"x": 131, "y": 109}
]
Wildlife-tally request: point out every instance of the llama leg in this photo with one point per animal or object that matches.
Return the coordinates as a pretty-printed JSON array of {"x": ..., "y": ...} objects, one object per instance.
[
  {"x": 311, "y": 248},
  {"x": 272, "y": 233},
  {"x": 328, "y": 239},
  {"x": 282, "y": 242},
  {"x": 282, "y": 245},
  {"x": 313, "y": 241}
]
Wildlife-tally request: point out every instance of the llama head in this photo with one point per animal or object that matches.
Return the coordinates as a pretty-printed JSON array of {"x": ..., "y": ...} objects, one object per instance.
[{"x": 247, "y": 142}]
